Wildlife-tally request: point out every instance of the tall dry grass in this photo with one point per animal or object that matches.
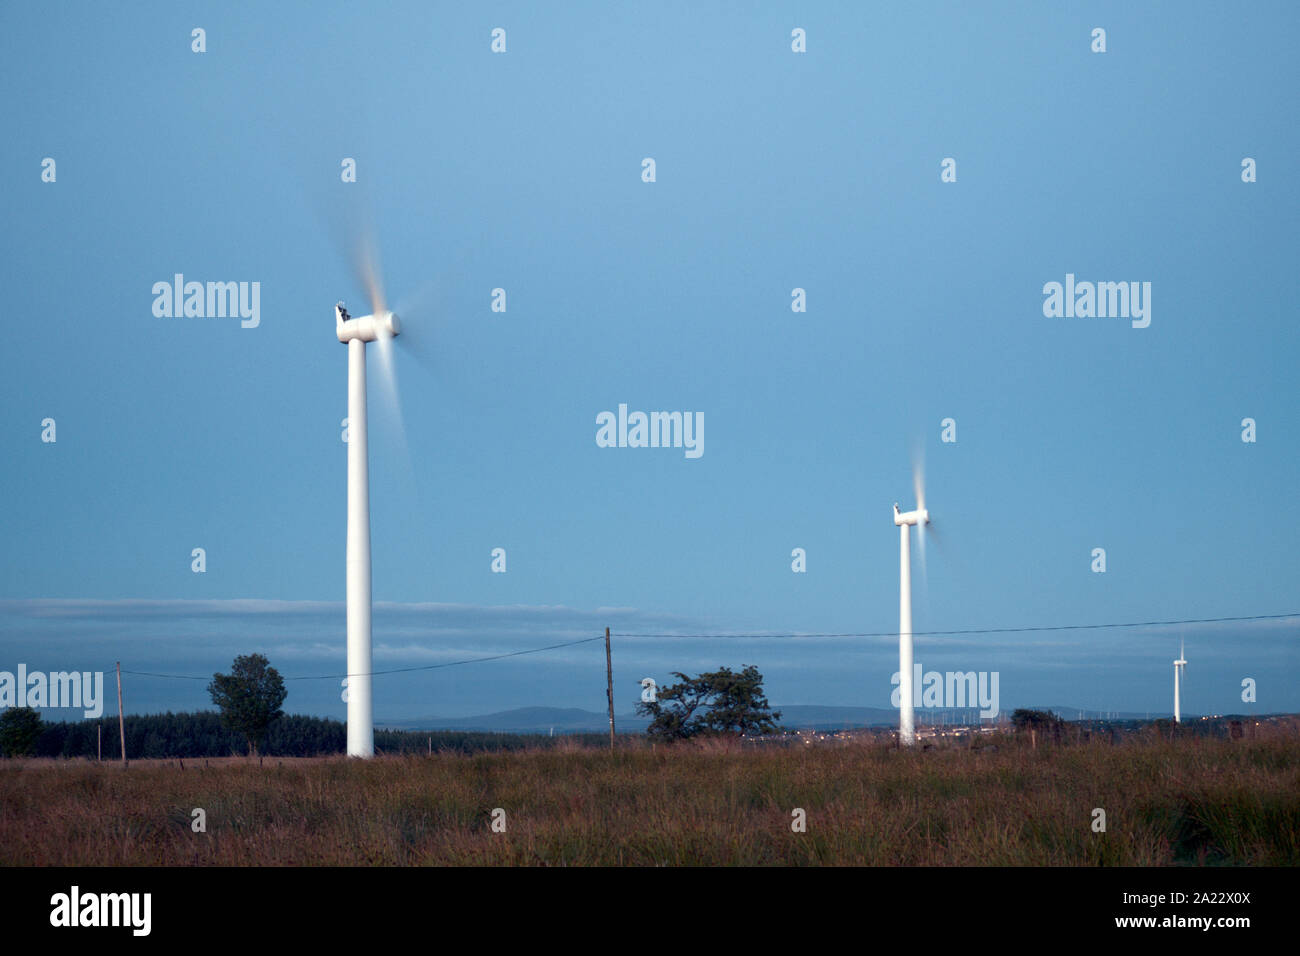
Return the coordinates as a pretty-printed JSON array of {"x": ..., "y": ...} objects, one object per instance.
[{"x": 1189, "y": 801}]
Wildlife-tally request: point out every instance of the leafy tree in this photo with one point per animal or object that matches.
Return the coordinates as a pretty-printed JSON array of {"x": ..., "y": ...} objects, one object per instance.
[
  {"x": 19, "y": 729},
  {"x": 672, "y": 713},
  {"x": 249, "y": 698},
  {"x": 717, "y": 703},
  {"x": 1025, "y": 719}
]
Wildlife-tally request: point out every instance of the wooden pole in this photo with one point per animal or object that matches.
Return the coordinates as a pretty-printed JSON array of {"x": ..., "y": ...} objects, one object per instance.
[
  {"x": 121, "y": 723},
  {"x": 609, "y": 687}
]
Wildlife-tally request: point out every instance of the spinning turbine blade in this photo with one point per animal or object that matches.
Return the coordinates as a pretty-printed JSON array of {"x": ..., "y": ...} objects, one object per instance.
[
  {"x": 420, "y": 305},
  {"x": 918, "y": 486},
  {"x": 388, "y": 377},
  {"x": 918, "y": 481},
  {"x": 422, "y": 300},
  {"x": 365, "y": 262}
]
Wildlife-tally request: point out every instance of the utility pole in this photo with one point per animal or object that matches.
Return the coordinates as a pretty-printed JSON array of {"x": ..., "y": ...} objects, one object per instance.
[
  {"x": 121, "y": 723},
  {"x": 609, "y": 687}
]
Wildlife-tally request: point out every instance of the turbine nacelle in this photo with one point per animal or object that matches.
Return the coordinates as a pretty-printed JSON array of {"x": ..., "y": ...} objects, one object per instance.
[
  {"x": 367, "y": 328},
  {"x": 918, "y": 517}
]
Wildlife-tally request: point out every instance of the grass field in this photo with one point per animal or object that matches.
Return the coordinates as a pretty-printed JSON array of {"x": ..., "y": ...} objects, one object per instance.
[{"x": 1188, "y": 801}]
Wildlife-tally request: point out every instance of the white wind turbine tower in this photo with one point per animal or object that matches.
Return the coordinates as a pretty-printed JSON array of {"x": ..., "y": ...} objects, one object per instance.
[
  {"x": 920, "y": 517},
  {"x": 1178, "y": 671},
  {"x": 381, "y": 325}
]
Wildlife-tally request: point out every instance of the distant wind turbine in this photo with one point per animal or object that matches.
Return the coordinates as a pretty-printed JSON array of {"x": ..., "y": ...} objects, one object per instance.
[{"x": 1178, "y": 671}]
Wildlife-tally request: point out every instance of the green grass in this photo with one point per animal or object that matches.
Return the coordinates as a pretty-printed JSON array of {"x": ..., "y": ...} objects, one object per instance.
[{"x": 1191, "y": 801}]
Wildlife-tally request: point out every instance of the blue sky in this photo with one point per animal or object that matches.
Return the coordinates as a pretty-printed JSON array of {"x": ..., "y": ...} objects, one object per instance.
[{"x": 774, "y": 171}]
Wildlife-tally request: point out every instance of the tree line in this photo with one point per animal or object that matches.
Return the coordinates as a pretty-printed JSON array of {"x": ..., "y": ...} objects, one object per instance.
[
  {"x": 202, "y": 734},
  {"x": 250, "y": 720}
]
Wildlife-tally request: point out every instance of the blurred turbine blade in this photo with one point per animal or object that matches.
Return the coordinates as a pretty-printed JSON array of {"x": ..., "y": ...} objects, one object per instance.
[
  {"x": 918, "y": 488},
  {"x": 918, "y": 481},
  {"x": 365, "y": 262},
  {"x": 920, "y": 547},
  {"x": 388, "y": 385},
  {"x": 422, "y": 301}
]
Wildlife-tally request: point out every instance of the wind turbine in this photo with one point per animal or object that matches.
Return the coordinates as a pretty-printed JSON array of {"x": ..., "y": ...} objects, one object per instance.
[
  {"x": 1178, "y": 670},
  {"x": 381, "y": 325},
  {"x": 920, "y": 517}
]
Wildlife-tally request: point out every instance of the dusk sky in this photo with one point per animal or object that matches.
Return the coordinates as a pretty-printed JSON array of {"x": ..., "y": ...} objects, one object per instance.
[{"x": 774, "y": 170}]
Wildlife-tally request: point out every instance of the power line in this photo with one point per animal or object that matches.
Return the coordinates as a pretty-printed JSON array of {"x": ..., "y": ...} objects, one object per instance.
[
  {"x": 395, "y": 670},
  {"x": 468, "y": 660},
  {"x": 982, "y": 630},
  {"x": 757, "y": 636}
]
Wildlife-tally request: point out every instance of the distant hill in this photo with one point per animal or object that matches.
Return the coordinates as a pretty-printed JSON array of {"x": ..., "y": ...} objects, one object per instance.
[
  {"x": 574, "y": 720},
  {"x": 525, "y": 720}
]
